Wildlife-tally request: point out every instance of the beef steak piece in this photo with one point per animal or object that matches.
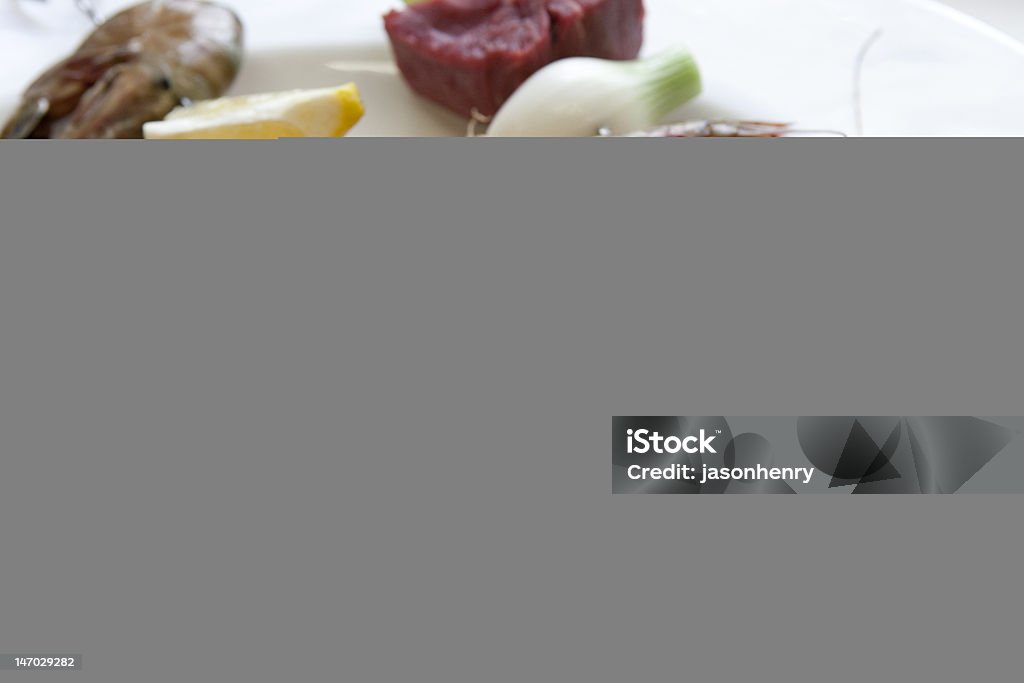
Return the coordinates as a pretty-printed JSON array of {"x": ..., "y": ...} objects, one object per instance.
[{"x": 471, "y": 55}]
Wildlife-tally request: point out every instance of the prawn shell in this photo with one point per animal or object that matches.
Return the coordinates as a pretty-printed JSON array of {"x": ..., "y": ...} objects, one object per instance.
[{"x": 134, "y": 68}]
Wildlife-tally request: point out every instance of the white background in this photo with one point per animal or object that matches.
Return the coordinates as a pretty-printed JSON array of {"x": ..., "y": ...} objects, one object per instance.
[{"x": 1007, "y": 15}]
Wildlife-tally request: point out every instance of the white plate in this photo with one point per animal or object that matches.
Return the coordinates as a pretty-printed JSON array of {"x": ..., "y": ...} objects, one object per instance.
[{"x": 933, "y": 71}]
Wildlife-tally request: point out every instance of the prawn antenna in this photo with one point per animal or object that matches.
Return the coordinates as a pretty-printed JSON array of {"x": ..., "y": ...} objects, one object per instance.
[
  {"x": 858, "y": 80},
  {"x": 87, "y": 8}
]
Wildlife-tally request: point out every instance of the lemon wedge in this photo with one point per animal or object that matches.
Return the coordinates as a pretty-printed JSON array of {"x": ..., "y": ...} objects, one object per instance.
[{"x": 322, "y": 113}]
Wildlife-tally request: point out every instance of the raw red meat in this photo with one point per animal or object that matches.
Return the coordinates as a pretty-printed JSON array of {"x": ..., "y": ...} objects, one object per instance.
[
  {"x": 473, "y": 54},
  {"x": 607, "y": 29},
  {"x": 470, "y": 54}
]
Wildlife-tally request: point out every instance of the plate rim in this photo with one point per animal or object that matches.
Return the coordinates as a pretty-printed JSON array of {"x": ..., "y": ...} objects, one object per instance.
[{"x": 976, "y": 23}]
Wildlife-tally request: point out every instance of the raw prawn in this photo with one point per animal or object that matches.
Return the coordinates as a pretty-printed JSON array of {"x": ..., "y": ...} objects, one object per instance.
[
  {"x": 718, "y": 129},
  {"x": 134, "y": 68}
]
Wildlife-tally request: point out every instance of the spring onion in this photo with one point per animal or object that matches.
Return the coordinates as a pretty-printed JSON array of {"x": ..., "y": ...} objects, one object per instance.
[{"x": 579, "y": 96}]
